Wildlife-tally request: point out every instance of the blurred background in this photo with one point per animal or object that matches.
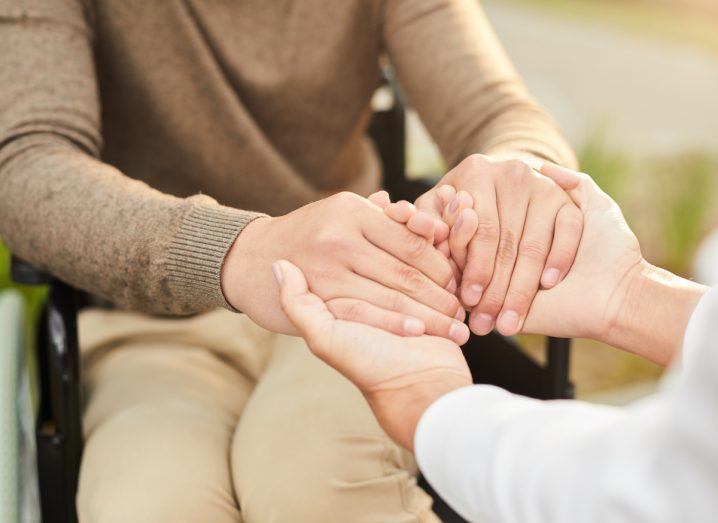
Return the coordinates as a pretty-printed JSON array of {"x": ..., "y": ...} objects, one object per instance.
[{"x": 634, "y": 85}]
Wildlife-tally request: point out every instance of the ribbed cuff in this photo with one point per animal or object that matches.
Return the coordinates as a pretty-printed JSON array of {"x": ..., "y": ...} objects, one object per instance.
[{"x": 197, "y": 252}]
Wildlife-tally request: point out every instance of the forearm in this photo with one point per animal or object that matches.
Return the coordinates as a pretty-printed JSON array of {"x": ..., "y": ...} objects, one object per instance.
[
  {"x": 651, "y": 321},
  {"x": 64, "y": 209},
  {"x": 103, "y": 232}
]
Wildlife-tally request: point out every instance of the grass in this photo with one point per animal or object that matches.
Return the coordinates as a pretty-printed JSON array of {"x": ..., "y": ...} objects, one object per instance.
[{"x": 667, "y": 22}]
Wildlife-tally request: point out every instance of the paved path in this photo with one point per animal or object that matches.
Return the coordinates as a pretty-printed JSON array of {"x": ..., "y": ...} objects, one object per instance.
[{"x": 651, "y": 96}]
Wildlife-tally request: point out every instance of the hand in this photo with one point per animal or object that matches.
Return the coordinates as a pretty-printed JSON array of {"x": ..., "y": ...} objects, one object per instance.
[
  {"x": 528, "y": 233},
  {"x": 452, "y": 234},
  {"x": 399, "y": 376},
  {"x": 366, "y": 267},
  {"x": 587, "y": 302}
]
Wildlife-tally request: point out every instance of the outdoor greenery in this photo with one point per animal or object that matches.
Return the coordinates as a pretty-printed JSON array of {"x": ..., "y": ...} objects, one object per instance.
[
  {"x": 670, "y": 204},
  {"x": 34, "y": 298},
  {"x": 668, "y": 201}
]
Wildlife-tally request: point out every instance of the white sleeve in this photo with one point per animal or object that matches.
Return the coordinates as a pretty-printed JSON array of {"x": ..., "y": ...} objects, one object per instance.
[{"x": 498, "y": 457}]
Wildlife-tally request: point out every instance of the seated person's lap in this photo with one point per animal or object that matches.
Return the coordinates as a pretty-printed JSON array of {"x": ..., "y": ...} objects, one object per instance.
[{"x": 163, "y": 442}]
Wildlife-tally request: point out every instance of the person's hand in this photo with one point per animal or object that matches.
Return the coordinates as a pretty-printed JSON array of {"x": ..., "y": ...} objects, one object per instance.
[
  {"x": 461, "y": 223},
  {"x": 587, "y": 303},
  {"x": 528, "y": 233},
  {"x": 399, "y": 376},
  {"x": 612, "y": 294},
  {"x": 367, "y": 267}
]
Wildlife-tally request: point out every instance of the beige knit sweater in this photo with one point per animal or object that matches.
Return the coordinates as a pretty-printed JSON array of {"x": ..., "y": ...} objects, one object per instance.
[{"x": 138, "y": 138}]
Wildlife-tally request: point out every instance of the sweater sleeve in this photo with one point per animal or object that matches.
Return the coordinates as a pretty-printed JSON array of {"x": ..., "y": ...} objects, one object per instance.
[
  {"x": 63, "y": 209},
  {"x": 462, "y": 83},
  {"x": 495, "y": 456}
]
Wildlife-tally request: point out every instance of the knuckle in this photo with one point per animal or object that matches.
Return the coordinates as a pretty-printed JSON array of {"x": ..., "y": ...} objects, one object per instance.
[
  {"x": 520, "y": 299},
  {"x": 487, "y": 231},
  {"x": 410, "y": 279},
  {"x": 561, "y": 256},
  {"x": 492, "y": 302},
  {"x": 437, "y": 323},
  {"x": 331, "y": 239},
  {"x": 533, "y": 250},
  {"x": 394, "y": 301},
  {"x": 506, "y": 252},
  {"x": 445, "y": 303},
  {"x": 416, "y": 246},
  {"x": 355, "y": 311},
  {"x": 344, "y": 198},
  {"x": 346, "y": 202},
  {"x": 516, "y": 170},
  {"x": 478, "y": 270}
]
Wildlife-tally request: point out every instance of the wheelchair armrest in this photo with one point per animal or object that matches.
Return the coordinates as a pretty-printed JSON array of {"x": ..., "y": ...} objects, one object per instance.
[{"x": 25, "y": 273}]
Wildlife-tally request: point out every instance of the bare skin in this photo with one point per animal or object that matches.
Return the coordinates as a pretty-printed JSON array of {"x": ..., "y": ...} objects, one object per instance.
[
  {"x": 612, "y": 294},
  {"x": 527, "y": 237},
  {"x": 363, "y": 264}
]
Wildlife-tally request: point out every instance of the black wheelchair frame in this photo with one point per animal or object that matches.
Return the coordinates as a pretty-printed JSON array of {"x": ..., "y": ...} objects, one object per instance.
[{"x": 493, "y": 359}]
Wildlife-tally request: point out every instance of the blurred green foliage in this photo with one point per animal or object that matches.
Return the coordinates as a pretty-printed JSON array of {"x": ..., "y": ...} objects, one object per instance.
[
  {"x": 611, "y": 169},
  {"x": 668, "y": 201},
  {"x": 684, "y": 197},
  {"x": 34, "y": 298}
]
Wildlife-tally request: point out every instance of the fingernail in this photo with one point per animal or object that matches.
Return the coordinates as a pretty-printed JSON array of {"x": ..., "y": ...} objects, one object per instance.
[
  {"x": 413, "y": 327},
  {"x": 454, "y": 205},
  {"x": 451, "y": 287},
  {"x": 472, "y": 294},
  {"x": 460, "y": 315},
  {"x": 550, "y": 277},
  {"x": 277, "y": 271},
  {"x": 483, "y": 323},
  {"x": 459, "y": 333},
  {"x": 458, "y": 223},
  {"x": 508, "y": 323}
]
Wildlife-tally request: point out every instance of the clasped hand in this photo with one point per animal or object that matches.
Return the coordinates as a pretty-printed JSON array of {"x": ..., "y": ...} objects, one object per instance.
[
  {"x": 403, "y": 271},
  {"x": 402, "y": 376}
]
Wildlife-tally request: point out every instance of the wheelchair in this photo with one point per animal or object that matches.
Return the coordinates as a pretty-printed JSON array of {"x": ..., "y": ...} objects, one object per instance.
[{"x": 493, "y": 359}]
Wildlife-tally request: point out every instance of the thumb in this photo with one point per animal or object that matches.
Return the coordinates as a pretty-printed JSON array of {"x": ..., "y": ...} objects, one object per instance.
[{"x": 305, "y": 310}]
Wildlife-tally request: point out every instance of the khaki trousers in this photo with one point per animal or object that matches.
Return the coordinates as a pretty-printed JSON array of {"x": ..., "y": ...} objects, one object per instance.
[{"x": 214, "y": 419}]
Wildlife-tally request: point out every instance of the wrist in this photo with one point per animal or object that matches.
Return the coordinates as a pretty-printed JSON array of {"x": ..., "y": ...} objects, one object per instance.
[
  {"x": 240, "y": 260},
  {"x": 402, "y": 417},
  {"x": 653, "y": 314}
]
